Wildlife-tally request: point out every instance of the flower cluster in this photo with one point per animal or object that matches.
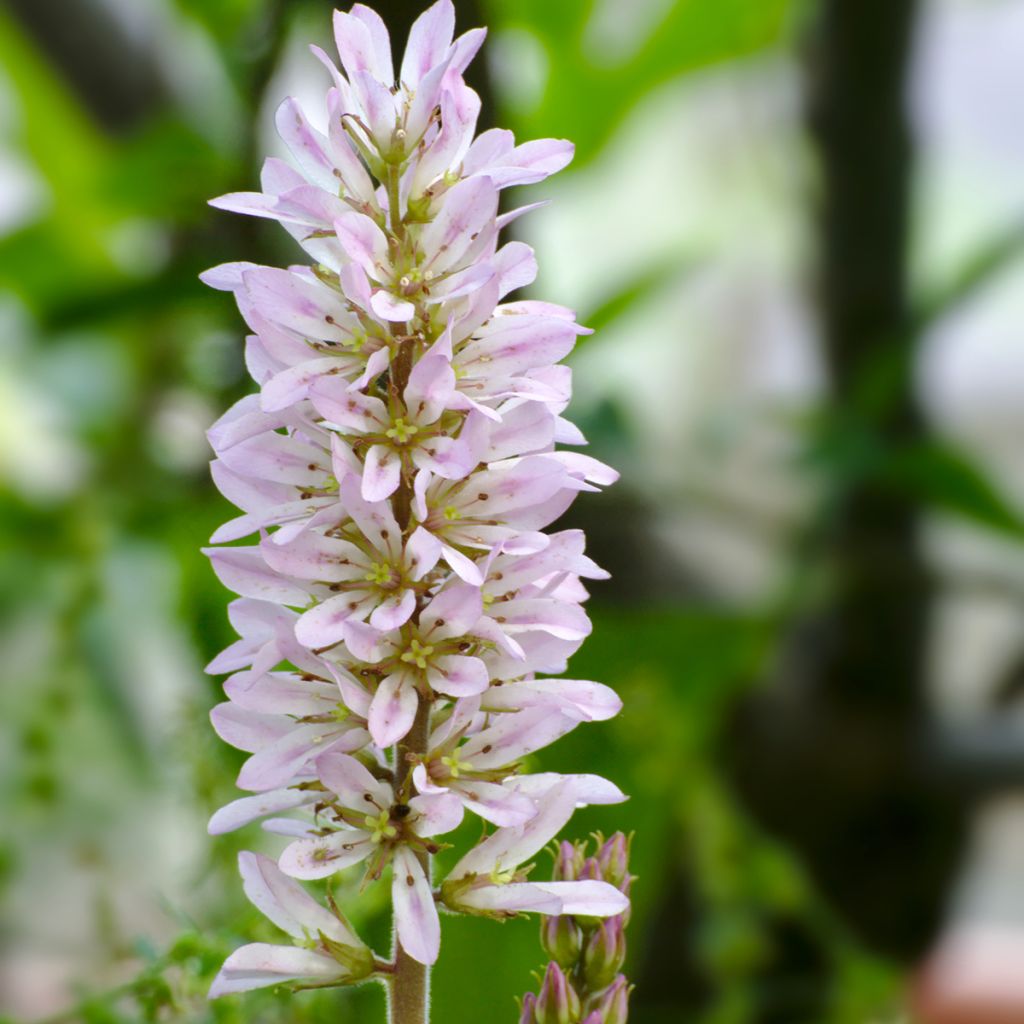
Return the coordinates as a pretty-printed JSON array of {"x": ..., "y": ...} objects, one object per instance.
[
  {"x": 400, "y": 612},
  {"x": 582, "y": 983}
]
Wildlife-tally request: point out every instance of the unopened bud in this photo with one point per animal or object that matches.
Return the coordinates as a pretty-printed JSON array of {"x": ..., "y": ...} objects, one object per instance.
[
  {"x": 613, "y": 857},
  {"x": 604, "y": 954},
  {"x": 567, "y": 862},
  {"x": 593, "y": 1018},
  {"x": 557, "y": 1002},
  {"x": 526, "y": 1015},
  {"x": 562, "y": 940},
  {"x": 590, "y": 869},
  {"x": 613, "y": 1005}
]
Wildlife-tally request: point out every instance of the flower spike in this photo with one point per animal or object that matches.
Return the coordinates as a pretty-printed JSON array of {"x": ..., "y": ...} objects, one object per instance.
[{"x": 400, "y": 611}]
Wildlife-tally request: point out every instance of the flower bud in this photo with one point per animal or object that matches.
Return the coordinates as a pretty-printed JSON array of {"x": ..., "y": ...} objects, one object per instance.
[
  {"x": 567, "y": 862},
  {"x": 562, "y": 940},
  {"x": 612, "y": 1006},
  {"x": 526, "y": 1015},
  {"x": 590, "y": 869},
  {"x": 604, "y": 954},
  {"x": 613, "y": 858},
  {"x": 557, "y": 1002},
  {"x": 593, "y": 1018}
]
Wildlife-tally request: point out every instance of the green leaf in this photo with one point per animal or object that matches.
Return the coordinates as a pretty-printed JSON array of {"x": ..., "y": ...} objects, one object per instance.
[
  {"x": 586, "y": 96},
  {"x": 940, "y": 475},
  {"x": 635, "y": 291}
]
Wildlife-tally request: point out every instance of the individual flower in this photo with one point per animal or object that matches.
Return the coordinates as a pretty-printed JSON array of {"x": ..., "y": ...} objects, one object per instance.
[
  {"x": 326, "y": 949},
  {"x": 488, "y": 879},
  {"x": 360, "y": 820}
]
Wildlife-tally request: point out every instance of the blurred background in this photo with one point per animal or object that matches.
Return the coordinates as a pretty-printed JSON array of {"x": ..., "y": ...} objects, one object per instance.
[{"x": 799, "y": 230}]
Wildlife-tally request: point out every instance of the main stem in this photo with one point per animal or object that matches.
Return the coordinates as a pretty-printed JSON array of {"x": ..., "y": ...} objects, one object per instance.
[{"x": 410, "y": 982}]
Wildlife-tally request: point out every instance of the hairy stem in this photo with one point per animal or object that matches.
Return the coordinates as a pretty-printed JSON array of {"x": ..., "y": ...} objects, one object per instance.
[{"x": 410, "y": 982}]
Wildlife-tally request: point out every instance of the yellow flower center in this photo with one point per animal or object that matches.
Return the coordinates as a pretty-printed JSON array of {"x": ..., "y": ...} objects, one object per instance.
[
  {"x": 400, "y": 432},
  {"x": 454, "y": 765},
  {"x": 380, "y": 573},
  {"x": 418, "y": 654},
  {"x": 379, "y": 826},
  {"x": 499, "y": 877}
]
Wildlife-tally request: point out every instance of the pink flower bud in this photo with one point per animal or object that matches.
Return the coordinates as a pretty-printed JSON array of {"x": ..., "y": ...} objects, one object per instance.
[
  {"x": 562, "y": 940},
  {"x": 567, "y": 862},
  {"x": 557, "y": 1002},
  {"x": 613, "y": 857},
  {"x": 604, "y": 953},
  {"x": 613, "y": 1005},
  {"x": 526, "y": 1015}
]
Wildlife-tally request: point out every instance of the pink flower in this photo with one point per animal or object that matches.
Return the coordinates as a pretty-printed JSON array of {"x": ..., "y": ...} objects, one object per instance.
[
  {"x": 487, "y": 879},
  {"x": 326, "y": 949}
]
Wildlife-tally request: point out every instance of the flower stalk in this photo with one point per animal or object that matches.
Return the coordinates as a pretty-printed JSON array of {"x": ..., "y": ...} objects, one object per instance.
[{"x": 402, "y": 616}]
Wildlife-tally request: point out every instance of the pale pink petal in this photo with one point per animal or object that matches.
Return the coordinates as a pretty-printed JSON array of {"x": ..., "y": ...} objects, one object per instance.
[
  {"x": 509, "y": 847},
  {"x": 422, "y": 552},
  {"x": 314, "y": 556},
  {"x": 513, "y": 898},
  {"x": 429, "y": 40},
  {"x": 242, "y": 812},
  {"x": 363, "y": 240},
  {"x": 394, "y": 611},
  {"x": 416, "y": 920},
  {"x": 391, "y": 308},
  {"x": 322, "y": 856},
  {"x": 244, "y": 571},
  {"x": 350, "y": 409},
  {"x": 382, "y": 473},
  {"x": 438, "y": 813},
  {"x": 453, "y": 612},
  {"x": 357, "y": 47},
  {"x": 513, "y": 736},
  {"x": 589, "y": 898},
  {"x": 286, "y": 903},
  {"x": 463, "y": 567},
  {"x": 259, "y": 965},
  {"x": 324, "y": 623},
  {"x": 376, "y": 364},
  {"x": 392, "y": 709},
  {"x": 589, "y": 789},
  {"x": 468, "y": 209},
  {"x": 458, "y": 675},
  {"x": 364, "y": 642},
  {"x": 379, "y": 62},
  {"x": 593, "y": 701},
  {"x": 287, "y": 758},
  {"x": 226, "y": 277},
  {"x": 497, "y": 804},
  {"x": 306, "y": 144},
  {"x": 356, "y": 788}
]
